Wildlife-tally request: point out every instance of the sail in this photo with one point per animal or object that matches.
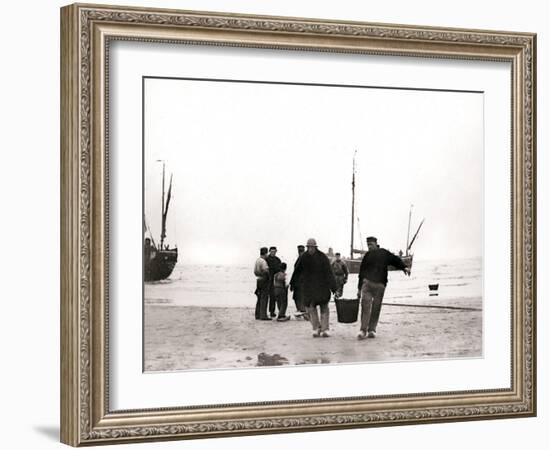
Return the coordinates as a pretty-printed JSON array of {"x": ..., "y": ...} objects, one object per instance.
[
  {"x": 165, "y": 210},
  {"x": 168, "y": 197}
]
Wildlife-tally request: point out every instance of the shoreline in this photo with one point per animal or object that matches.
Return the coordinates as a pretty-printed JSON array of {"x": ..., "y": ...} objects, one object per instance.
[{"x": 167, "y": 302}]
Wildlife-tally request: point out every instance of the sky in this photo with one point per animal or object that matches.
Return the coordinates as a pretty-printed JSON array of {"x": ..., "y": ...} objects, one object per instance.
[{"x": 258, "y": 164}]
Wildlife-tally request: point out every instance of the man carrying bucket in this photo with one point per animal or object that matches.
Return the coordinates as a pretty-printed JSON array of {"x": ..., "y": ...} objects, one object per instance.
[{"x": 373, "y": 278}]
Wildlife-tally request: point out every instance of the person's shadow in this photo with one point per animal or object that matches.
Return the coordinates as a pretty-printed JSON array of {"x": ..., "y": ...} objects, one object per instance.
[{"x": 51, "y": 432}]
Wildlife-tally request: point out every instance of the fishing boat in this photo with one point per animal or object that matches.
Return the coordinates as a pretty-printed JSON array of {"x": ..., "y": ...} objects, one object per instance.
[
  {"x": 159, "y": 260},
  {"x": 356, "y": 255}
]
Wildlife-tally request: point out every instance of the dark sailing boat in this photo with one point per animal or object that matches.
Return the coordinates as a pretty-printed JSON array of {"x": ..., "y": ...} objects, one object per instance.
[
  {"x": 354, "y": 262},
  {"x": 159, "y": 261}
]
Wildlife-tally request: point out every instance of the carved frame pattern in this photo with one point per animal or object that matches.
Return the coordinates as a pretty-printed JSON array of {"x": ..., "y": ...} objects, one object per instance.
[{"x": 78, "y": 392}]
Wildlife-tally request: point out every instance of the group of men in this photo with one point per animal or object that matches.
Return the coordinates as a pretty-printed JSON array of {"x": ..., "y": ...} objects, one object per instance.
[
  {"x": 271, "y": 286},
  {"x": 315, "y": 278}
]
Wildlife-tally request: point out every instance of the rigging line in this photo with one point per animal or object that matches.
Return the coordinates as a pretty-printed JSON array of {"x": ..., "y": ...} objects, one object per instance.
[
  {"x": 360, "y": 234},
  {"x": 459, "y": 308},
  {"x": 416, "y": 234},
  {"x": 149, "y": 231}
]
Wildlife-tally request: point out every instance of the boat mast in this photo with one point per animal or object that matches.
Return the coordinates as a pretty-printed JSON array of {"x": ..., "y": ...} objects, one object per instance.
[
  {"x": 408, "y": 232},
  {"x": 163, "y": 220},
  {"x": 352, "y": 205}
]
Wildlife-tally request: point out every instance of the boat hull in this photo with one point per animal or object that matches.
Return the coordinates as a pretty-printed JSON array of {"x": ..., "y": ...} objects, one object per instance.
[{"x": 161, "y": 265}]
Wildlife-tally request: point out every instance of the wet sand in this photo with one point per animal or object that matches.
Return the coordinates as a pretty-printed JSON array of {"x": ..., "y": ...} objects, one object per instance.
[{"x": 192, "y": 337}]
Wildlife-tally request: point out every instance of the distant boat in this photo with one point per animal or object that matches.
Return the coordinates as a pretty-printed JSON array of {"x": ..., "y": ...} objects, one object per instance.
[
  {"x": 354, "y": 262},
  {"x": 159, "y": 261}
]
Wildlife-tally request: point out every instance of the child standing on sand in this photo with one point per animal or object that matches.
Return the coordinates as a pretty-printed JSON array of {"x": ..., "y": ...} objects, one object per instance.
[{"x": 281, "y": 293}]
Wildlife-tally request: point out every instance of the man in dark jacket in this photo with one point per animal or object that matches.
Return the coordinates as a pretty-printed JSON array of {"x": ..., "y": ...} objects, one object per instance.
[
  {"x": 317, "y": 282},
  {"x": 274, "y": 264},
  {"x": 261, "y": 271},
  {"x": 373, "y": 278},
  {"x": 296, "y": 288},
  {"x": 341, "y": 272}
]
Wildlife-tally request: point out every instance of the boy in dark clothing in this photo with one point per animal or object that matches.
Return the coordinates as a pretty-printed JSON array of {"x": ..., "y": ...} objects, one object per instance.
[
  {"x": 373, "y": 278},
  {"x": 280, "y": 289}
]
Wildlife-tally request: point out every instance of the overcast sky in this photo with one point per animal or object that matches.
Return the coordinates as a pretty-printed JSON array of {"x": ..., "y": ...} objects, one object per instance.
[{"x": 263, "y": 164}]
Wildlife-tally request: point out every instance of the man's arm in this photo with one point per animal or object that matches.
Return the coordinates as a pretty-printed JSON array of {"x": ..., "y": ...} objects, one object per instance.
[
  {"x": 397, "y": 262},
  {"x": 362, "y": 270},
  {"x": 265, "y": 267},
  {"x": 298, "y": 267},
  {"x": 330, "y": 274}
]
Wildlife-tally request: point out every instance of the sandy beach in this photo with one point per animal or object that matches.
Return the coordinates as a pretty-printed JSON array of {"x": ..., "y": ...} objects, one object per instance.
[{"x": 193, "y": 337}]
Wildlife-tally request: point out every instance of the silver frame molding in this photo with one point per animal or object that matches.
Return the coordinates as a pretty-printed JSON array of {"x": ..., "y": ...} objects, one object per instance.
[{"x": 86, "y": 31}]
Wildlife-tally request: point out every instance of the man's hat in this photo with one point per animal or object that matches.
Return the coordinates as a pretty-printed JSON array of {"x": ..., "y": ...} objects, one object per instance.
[
  {"x": 311, "y": 243},
  {"x": 300, "y": 247},
  {"x": 372, "y": 239}
]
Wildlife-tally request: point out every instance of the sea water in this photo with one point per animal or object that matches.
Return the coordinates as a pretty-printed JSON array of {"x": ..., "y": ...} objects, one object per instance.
[{"x": 460, "y": 285}]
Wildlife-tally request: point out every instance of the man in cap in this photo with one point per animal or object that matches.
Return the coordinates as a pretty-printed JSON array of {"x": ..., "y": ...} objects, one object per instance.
[
  {"x": 296, "y": 288},
  {"x": 341, "y": 272},
  {"x": 373, "y": 278},
  {"x": 317, "y": 282},
  {"x": 274, "y": 264},
  {"x": 261, "y": 270}
]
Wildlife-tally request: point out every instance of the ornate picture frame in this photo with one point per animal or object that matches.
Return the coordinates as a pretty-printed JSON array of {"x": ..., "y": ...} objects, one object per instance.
[{"x": 86, "y": 34}]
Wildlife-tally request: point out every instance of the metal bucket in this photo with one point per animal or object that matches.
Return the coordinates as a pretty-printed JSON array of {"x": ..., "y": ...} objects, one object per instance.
[{"x": 347, "y": 309}]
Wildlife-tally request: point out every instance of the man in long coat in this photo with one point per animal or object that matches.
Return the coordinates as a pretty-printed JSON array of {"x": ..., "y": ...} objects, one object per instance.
[{"x": 317, "y": 282}]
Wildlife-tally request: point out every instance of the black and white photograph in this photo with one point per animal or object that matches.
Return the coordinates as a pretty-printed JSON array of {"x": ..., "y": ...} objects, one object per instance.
[{"x": 294, "y": 224}]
